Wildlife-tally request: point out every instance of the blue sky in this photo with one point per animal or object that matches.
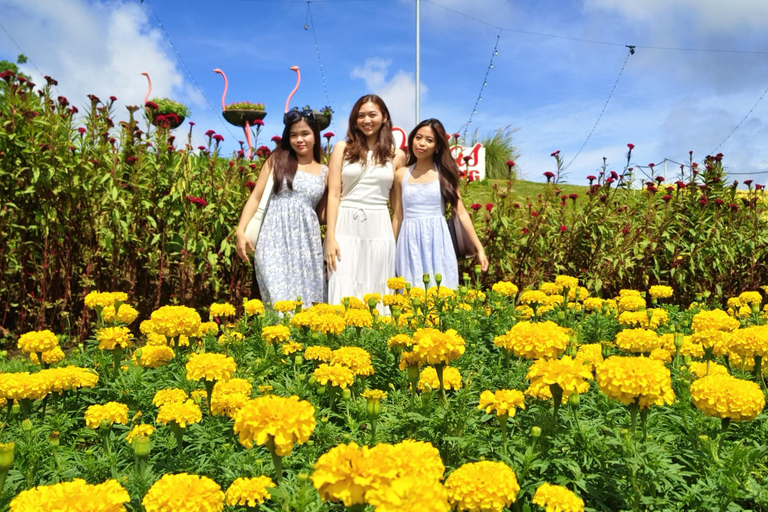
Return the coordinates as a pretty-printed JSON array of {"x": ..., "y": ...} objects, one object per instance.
[{"x": 552, "y": 89}]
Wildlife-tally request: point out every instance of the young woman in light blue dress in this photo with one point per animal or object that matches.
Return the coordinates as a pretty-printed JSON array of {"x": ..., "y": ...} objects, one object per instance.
[
  {"x": 289, "y": 254},
  {"x": 422, "y": 190}
]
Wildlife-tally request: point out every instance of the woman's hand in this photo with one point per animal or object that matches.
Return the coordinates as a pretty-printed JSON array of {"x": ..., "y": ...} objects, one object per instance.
[
  {"x": 243, "y": 246},
  {"x": 482, "y": 260},
  {"x": 332, "y": 253}
]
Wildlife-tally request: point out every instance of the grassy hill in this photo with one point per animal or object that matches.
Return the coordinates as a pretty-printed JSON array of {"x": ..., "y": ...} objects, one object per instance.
[{"x": 480, "y": 192}]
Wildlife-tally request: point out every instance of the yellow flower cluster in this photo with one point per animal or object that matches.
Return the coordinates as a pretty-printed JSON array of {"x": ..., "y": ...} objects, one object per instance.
[
  {"x": 110, "y": 338},
  {"x": 52, "y": 356},
  {"x": 688, "y": 348},
  {"x": 374, "y": 395},
  {"x": 335, "y": 375},
  {"x": 566, "y": 282},
  {"x": 435, "y": 347},
  {"x": 699, "y": 369},
  {"x": 104, "y": 299},
  {"x": 399, "y": 341},
  {"x": 555, "y": 498},
  {"x": 172, "y": 321},
  {"x": 327, "y": 324},
  {"x": 631, "y": 303},
  {"x": 749, "y": 298},
  {"x": 571, "y": 375},
  {"x": 285, "y": 420},
  {"x": 231, "y": 337},
  {"x": 407, "y": 493},
  {"x": 221, "y": 310},
  {"x": 70, "y": 377},
  {"x": 640, "y": 318},
  {"x": 18, "y": 386},
  {"x": 593, "y": 304},
  {"x": 533, "y": 297},
  {"x": 358, "y": 318},
  {"x": 125, "y": 314},
  {"x": 591, "y": 354},
  {"x": 230, "y": 396},
  {"x": 637, "y": 340},
  {"x": 720, "y": 341},
  {"x": 660, "y": 291},
  {"x": 482, "y": 486},
  {"x": 635, "y": 379},
  {"x": 715, "y": 320},
  {"x": 368, "y": 296},
  {"x": 292, "y": 347},
  {"x": 184, "y": 492},
  {"x": 111, "y": 412},
  {"x": 318, "y": 353},
  {"x": 534, "y": 340},
  {"x": 504, "y": 402},
  {"x": 155, "y": 356},
  {"x": 396, "y": 283},
  {"x": 662, "y": 354},
  {"x": 723, "y": 396},
  {"x": 249, "y": 492},
  {"x": 275, "y": 333},
  {"x": 253, "y": 307},
  {"x": 37, "y": 341},
  {"x": 182, "y": 413},
  {"x": 505, "y": 288},
  {"x": 156, "y": 340},
  {"x": 355, "y": 358},
  {"x": 75, "y": 495},
  {"x": 169, "y": 396},
  {"x": 210, "y": 366},
  {"x": 394, "y": 300},
  {"x": 139, "y": 432},
  {"x": 206, "y": 328},
  {"x": 750, "y": 341},
  {"x": 629, "y": 293},
  {"x": 284, "y": 306},
  {"x": 302, "y": 318},
  {"x": 428, "y": 379}
]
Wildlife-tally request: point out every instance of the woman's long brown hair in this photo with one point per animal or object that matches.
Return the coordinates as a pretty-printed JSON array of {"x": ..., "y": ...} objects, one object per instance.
[
  {"x": 284, "y": 162},
  {"x": 447, "y": 169},
  {"x": 357, "y": 146}
]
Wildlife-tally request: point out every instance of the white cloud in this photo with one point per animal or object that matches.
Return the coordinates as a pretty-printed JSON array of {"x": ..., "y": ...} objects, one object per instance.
[{"x": 398, "y": 92}]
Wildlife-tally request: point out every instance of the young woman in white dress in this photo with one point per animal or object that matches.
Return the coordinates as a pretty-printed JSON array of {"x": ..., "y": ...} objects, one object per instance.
[
  {"x": 360, "y": 244},
  {"x": 420, "y": 194}
]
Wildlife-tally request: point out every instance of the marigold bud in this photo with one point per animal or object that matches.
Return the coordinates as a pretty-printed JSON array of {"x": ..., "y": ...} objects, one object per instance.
[{"x": 535, "y": 432}]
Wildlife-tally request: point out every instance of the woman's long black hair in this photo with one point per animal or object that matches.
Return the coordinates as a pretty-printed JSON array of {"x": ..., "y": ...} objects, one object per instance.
[
  {"x": 447, "y": 169},
  {"x": 284, "y": 161}
]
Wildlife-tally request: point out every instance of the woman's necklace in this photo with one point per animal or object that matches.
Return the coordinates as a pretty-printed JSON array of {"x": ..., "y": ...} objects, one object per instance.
[{"x": 421, "y": 174}]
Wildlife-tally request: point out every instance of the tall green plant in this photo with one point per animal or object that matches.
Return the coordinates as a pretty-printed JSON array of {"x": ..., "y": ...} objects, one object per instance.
[{"x": 499, "y": 149}]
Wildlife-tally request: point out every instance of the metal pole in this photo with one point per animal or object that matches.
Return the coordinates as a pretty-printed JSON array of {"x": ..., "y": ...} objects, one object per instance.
[{"x": 418, "y": 60}]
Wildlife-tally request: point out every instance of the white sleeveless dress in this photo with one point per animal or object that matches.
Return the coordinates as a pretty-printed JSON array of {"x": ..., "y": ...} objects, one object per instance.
[{"x": 364, "y": 233}]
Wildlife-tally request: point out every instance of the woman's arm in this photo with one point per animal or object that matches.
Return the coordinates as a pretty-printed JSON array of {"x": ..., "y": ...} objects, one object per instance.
[
  {"x": 322, "y": 206},
  {"x": 466, "y": 221},
  {"x": 400, "y": 159},
  {"x": 395, "y": 200},
  {"x": 243, "y": 245},
  {"x": 332, "y": 252}
]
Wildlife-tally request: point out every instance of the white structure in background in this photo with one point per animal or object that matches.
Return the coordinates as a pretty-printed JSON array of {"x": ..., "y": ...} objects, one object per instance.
[{"x": 476, "y": 169}]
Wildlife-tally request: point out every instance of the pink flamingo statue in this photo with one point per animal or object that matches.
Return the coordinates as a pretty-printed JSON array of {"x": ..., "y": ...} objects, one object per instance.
[
  {"x": 247, "y": 127},
  {"x": 298, "y": 81},
  {"x": 149, "y": 90}
]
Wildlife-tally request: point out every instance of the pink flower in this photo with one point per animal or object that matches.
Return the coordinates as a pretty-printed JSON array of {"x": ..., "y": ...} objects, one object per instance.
[
  {"x": 258, "y": 122},
  {"x": 510, "y": 163},
  {"x": 329, "y": 135},
  {"x": 489, "y": 206},
  {"x": 549, "y": 175},
  {"x": 210, "y": 133},
  {"x": 277, "y": 139},
  {"x": 591, "y": 178},
  {"x": 534, "y": 214},
  {"x": 563, "y": 229},
  {"x": 555, "y": 153},
  {"x": 218, "y": 138},
  {"x": 198, "y": 201},
  {"x": 525, "y": 231},
  {"x": 81, "y": 130},
  {"x": 631, "y": 146},
  {"x": 476, "y": 206}
]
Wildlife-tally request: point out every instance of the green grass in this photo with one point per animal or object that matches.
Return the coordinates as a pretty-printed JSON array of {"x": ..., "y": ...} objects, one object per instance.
[{"x": 480, "y": 192}]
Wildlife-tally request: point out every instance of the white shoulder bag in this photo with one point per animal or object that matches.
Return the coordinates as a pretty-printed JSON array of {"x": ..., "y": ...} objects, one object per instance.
[{"x": 254, "y": 225}]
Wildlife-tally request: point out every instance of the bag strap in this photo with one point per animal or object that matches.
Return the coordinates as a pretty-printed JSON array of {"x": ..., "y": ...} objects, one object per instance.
[
  {"x": 265, "y": 196},
  {"x": 357, "y": 180}
]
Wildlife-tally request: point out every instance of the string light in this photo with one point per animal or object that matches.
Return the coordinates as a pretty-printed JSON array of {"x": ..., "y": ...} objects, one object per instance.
[
  {"x": 319, "y": 61},
  {"x": 485, "y": 83},
  {"x": 742, "y": 122}
]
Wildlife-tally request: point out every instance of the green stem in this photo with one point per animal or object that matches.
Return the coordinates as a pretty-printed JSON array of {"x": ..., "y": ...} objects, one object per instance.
[
  {"x": 277, "y": 461},
  {"x": 178, "y": 433},
  {"x": 117, "y": 357},
  {"x": 439, "y": 371},
  {"x": 644, "y": 421},
  {"x": 633, "y": 409},
  {"x": 209, "y": 384},
  {"x": 503, "y": 422}
]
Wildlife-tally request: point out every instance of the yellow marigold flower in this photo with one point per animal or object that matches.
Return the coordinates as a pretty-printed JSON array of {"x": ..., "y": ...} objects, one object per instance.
[
  {"x": 284, "y": 306},
  {"x": 549, "y": 288},
  {"x": 218, "y": 310},
  {"x": 369, "y": 296},
  {"x": 749, "y": 298},
  {"x": 154, "y": 356},
  {"x": 183, "y": 413},
  {"x": 750, "y": 341},
  {"x": 504, "y": 402},
  {"x": 640, "y": 318},
  {"x": 173, "y": 321},
  {"x": 286, "y": 420},
  {"x": 265, "y": 389},
  {"x": 699, "y": 369},
  {"x": 52, "y": 356},
  {"x": 534, "y": 340},
  {"x": 635, "y": 379},
  {"x": 126, "y": 314},
  {"x": 396, "y": 283},
  {"x": 554, "y": 300},
  {"x": 335, "y": 374},
  {"x": 482, "y": 486},
  {"x": 723, "y": 396},
  {"x": 292, "y": 347},
  {"x": 591, "y": 354},
  {"x": 104, "y": 299},
  {"x": 505, "y": 288},
  {"x": 662, "y": 354},
  {"x": 156, "y": 340},
  {"x": 428, "y": 379},
  {"x": 374, "y": 394},
  {"x": 139, "y": 432},
  {"x": 358, "y": 318},
  {"x": 394, "y": 300},
  {"x": 571, "y": 375},
  {"x": 275, "y": 333},
  {"x": 327, "y": 324},
  {"x": 347, "y": 472},
  {"x": 715, "y": 320},
  {"x": 409, "y": 359},
  {"x": 17, "y": 386},
  {"x": 474, "y": 295},
  {"x": 70, "y": 377},
  {"x": 112, "y": 337},
  {"x": 327, "y": 309},
  {"x": 317, "y": 353},
  {"x": 435, "y": 347},
  {"x": 417, "y": 293},
  {"x": 533, "y": 297},
  {"x": 111, "y": 412},
  {"x": 231, "y": 337},
  {"x": 356, "y": 359},
  {"x": 210, "y": 366},
  {"x": 524, "y": 312},
  {"x": 228, "y": 403},
  {"x": 249, "y": 492},
  {"x": 631, "y": 303},
  {"x": 566, "y": 282},
  {"x": 660, "y": 292},
  {"x": 169, "y": 396},
  {"x": 38, "y": 341},
  {"x": 637, "y": 340},
  {"x": 302, "y": 319},
  {"x": 555, "y": 498},
  {"x": 408, "y": 493},
  {"x": 593, "y": 304},
  {"x": 399, "y": 341},
  {"x": 108, "y": 314},
  {"x": 253, "y": 307},
  {"x": 418, "y": 459},
  {"x": 146, "y": 327},
  {"x": 629, "y": 293},
  {"x": 206, "y": 328},
  {"x": 720, "y": 341},
  {"x": 75, "y": 495},
  {"x": 184, "y": 492}
]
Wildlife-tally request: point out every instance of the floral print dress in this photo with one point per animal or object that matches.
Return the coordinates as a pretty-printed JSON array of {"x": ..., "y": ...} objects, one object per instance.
[{"x": 289, "y": 253}]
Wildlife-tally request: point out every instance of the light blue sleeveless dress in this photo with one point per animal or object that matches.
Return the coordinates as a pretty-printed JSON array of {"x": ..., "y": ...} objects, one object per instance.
[
  {"x": 289, "y": 255},
  {"x": 424, "y": 243}
]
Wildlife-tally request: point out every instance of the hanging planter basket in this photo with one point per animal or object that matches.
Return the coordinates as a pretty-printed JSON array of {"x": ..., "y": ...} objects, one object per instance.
[
  {"x": 239, "y": 117},
  {"x": 173, "y": 112},
  {"x": 323, "y": 120}
]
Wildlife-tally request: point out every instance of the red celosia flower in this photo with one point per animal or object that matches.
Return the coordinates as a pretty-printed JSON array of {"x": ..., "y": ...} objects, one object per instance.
[
  {"x": 112, "y": 99},
  {"x": 573, "y": 196},
  {"x": 631, "y": 146},
  {"x": 151, "y": 104},
  {"x": 81, "y": 130},
  {"x": 555, "y": 153},
  {"x": 210, "y": 133},
  {"x": 476, "y": 206},
  {"x": 489, "y": 206},
  {"x": 549, "y": 175},
  {"x": 666, "y": 197},
  {"x": 591, "y": 178},
  {"x": 703, "y": 200},
  {"x": 250, "y": 184},
  {"x": 748, "y": 182},
  {"x": 719, "y": 202},
  {"x": 534, "y": 214},
  {"x": 510, "y": 163},
  {"x": 651, "y": 165},
  {"x": 198, "y": 201},
  {"x": 651, "y": 189},
  {"x": 201, "y": 148},
  {"x": 218, "y": 138},
  {"x": 258, "y": 122},
  {"x": 659, "y": 178},
  {"x": 277, "y": 139},
  {"x": 525, "y": 231},
  {"x": 131, "y": 160},
  {"x": 563, "y": 229},
  {"x": 456, "y": 136},
  {"x": 329, "y": 135}
]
